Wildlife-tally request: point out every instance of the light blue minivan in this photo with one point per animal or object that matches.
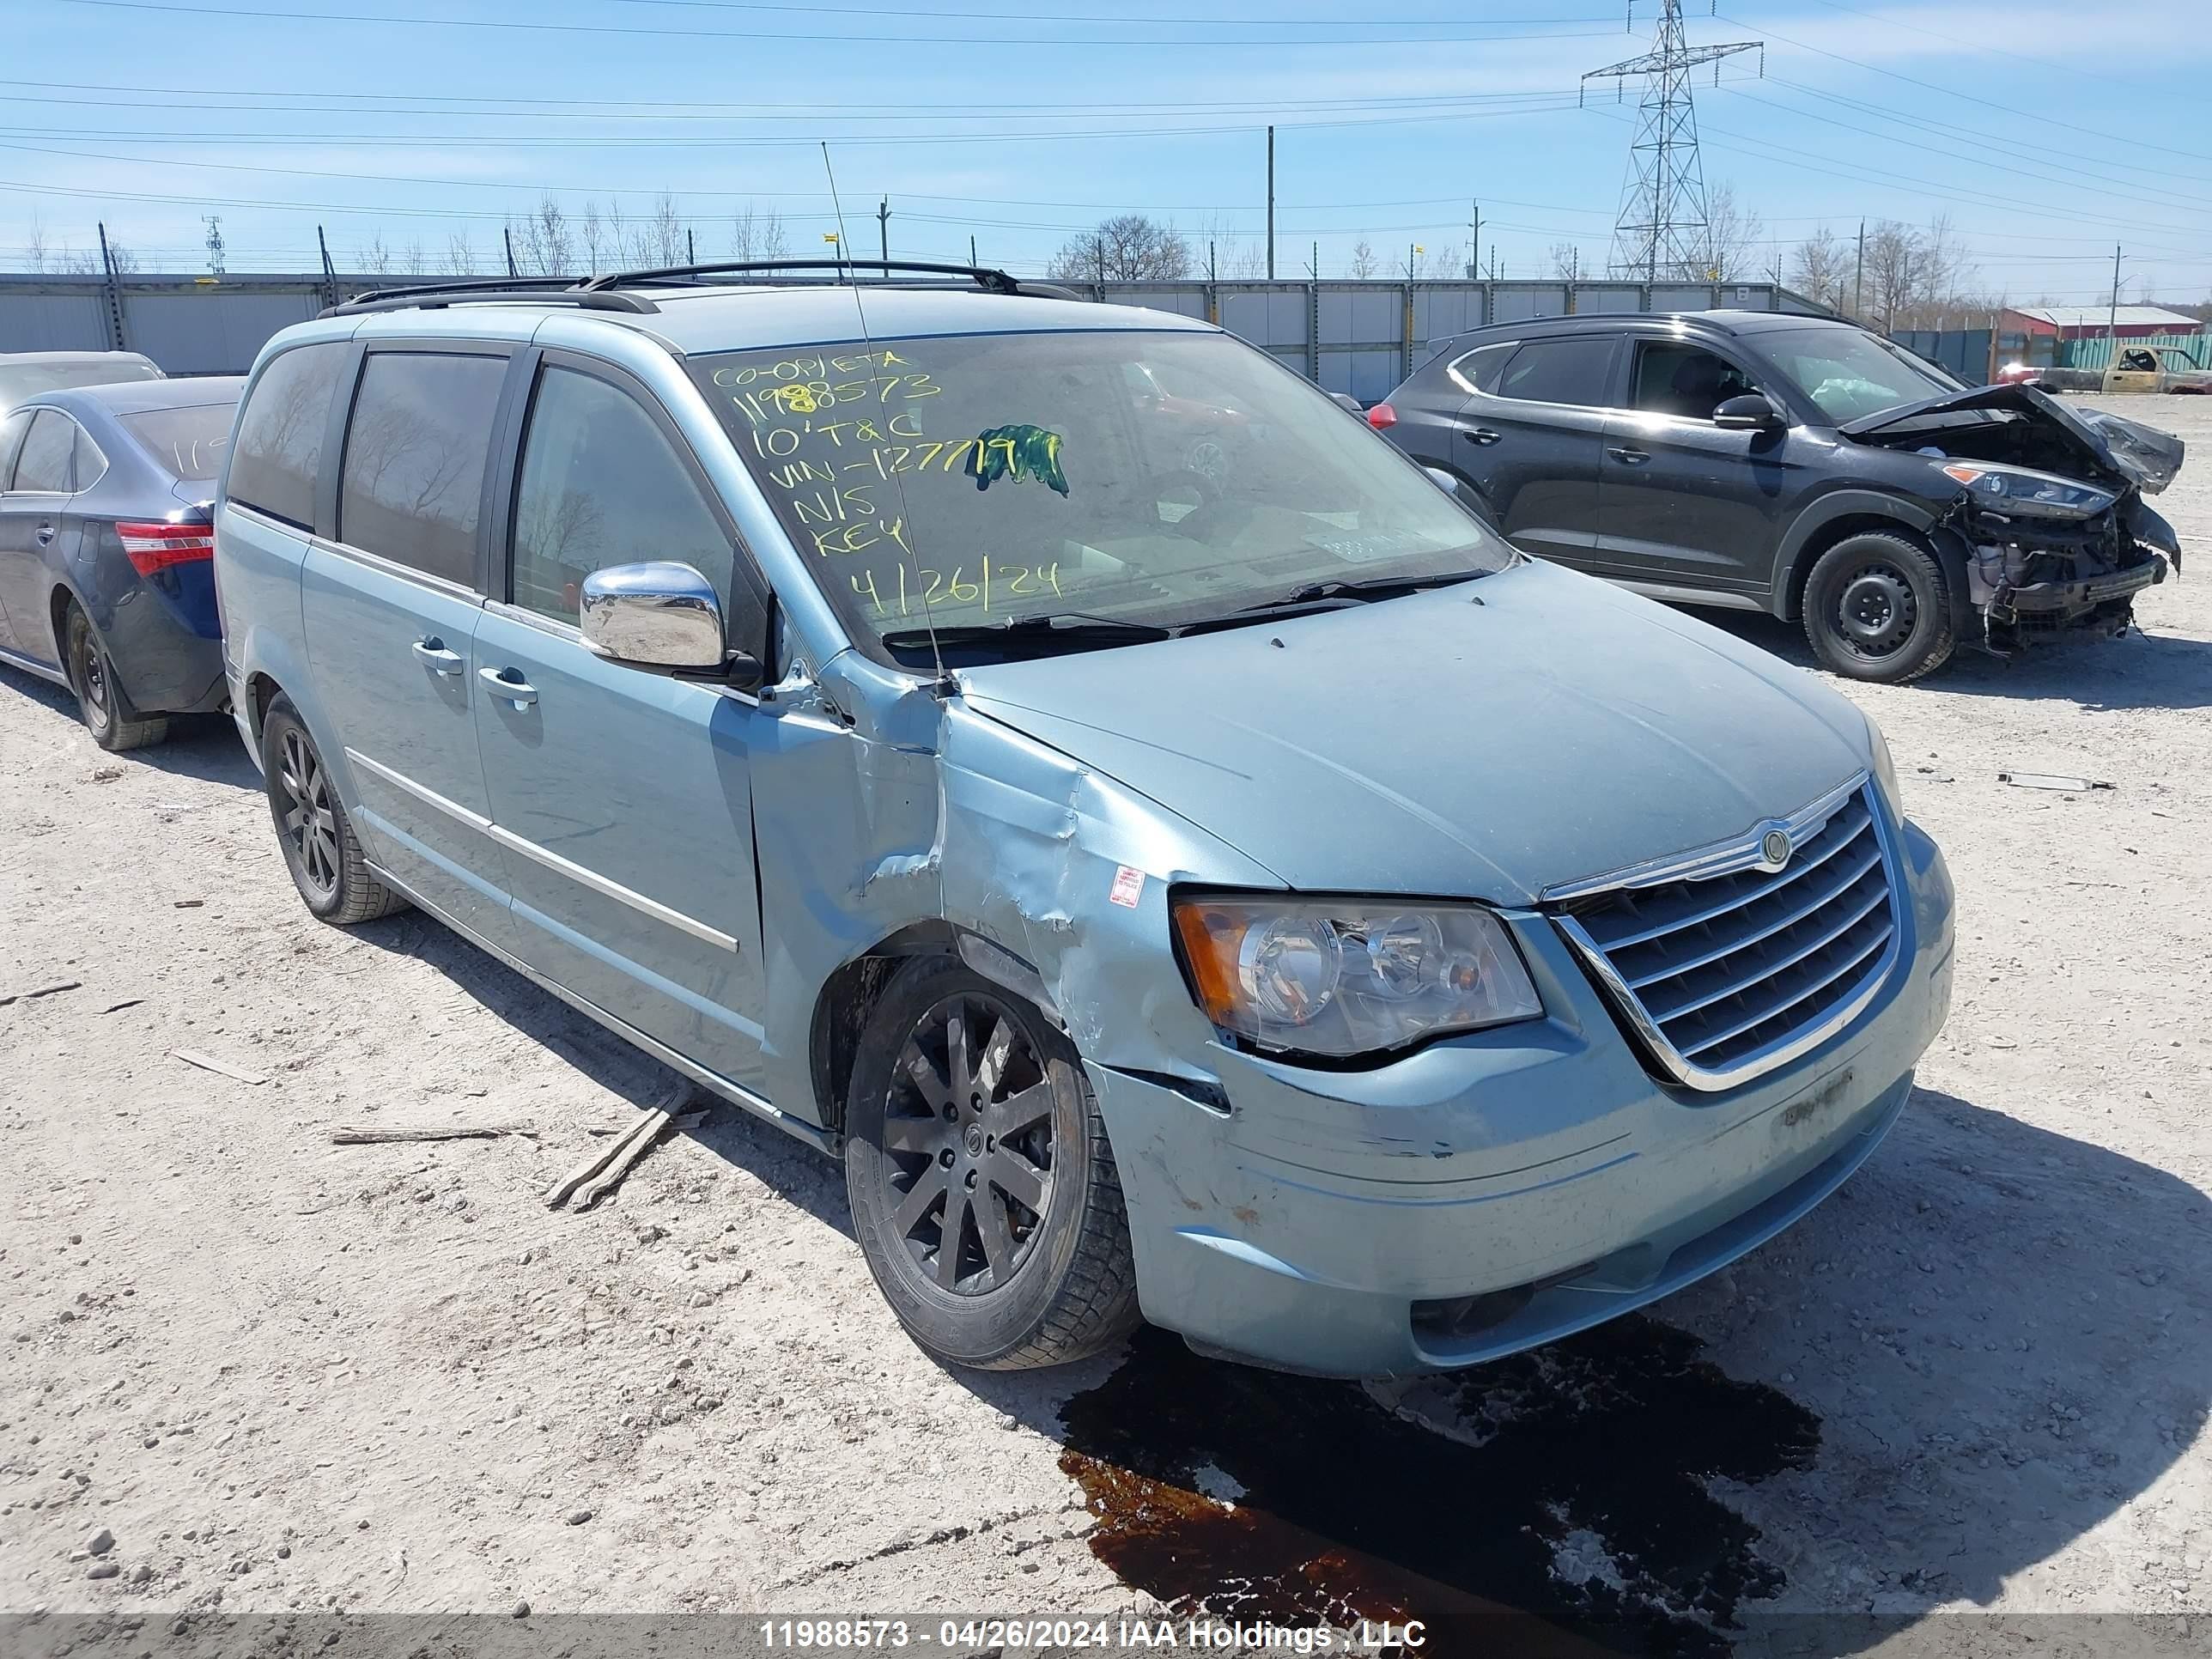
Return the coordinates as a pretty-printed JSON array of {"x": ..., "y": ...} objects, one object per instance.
[{"x": 1050, "y": 755}]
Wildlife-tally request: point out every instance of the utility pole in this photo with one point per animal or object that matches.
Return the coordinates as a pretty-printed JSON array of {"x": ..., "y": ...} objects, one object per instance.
[
  {"x": 884, "y": 230},
  {"x": 1474, "y": 243},
  {"x": 1271, "y": 205},
  {"x": 2113, "y": 320},
  {"x": 690, "y": 245},
  {"x": 1661, "y": 225},
  {"x": 972, "y": 259},
  {"x": 330, "y": 276},
  {"x": 1858, "y": 281},
  {"x": 507, "y": 235}
]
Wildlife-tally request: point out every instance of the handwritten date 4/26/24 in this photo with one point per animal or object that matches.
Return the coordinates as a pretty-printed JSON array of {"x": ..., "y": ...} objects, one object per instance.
[{"x": 991, "y": 587}]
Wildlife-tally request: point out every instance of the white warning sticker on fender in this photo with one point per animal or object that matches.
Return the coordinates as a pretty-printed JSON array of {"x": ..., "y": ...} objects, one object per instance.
[{"x": 1129, "y": 887}]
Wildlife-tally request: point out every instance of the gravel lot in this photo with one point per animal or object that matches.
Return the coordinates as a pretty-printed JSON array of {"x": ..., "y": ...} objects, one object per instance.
[{"x": 286, "y": 1375}]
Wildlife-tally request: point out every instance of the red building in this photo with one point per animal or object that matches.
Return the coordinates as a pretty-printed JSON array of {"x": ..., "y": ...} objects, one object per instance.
[{"x": 2091, "y": 322}]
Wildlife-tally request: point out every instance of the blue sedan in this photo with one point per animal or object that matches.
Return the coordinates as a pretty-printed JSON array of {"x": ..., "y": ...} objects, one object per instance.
[{"x": 107, "y": 582}]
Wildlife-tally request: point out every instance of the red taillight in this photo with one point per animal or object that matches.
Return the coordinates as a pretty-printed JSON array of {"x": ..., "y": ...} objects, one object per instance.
[
  {"x": 151, "y": 547},
  {"x": 1382, "y": 416}
]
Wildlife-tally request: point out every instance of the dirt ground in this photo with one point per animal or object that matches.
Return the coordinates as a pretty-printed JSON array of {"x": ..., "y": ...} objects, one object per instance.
[{"x": 284, "y": 1375}]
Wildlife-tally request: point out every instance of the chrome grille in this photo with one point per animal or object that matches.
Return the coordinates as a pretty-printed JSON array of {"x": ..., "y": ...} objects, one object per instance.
[{"x": 1726, "y": 965}]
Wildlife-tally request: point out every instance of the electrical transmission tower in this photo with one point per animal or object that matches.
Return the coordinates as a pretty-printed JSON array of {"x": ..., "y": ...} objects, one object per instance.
[
  {"x": 215, "y": 244},
  {"x": 1661, "y": 231}
]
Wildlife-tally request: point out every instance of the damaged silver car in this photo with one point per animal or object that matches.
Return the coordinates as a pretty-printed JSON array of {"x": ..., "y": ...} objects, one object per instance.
[{"x": 1186, "y": 864}]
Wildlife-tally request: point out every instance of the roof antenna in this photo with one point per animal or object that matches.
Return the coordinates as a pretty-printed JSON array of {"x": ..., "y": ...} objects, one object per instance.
[{"x": 944, "y": 685}]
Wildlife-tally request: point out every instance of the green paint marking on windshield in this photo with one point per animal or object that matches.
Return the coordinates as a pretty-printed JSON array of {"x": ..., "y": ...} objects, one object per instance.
[{"x": 1017, "y": 452}]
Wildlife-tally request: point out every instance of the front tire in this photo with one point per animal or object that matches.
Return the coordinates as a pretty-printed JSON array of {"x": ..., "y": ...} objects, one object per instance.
[
  {"x": 114, "y": 723},
  {"x": 1877, "y": 609},
  {"x": 320, "y": 849},
  {"x": 983, "y": 1185}
]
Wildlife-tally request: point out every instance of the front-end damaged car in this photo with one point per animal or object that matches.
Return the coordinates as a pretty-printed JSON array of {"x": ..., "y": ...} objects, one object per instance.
[{"x": 2049, "y": 504}]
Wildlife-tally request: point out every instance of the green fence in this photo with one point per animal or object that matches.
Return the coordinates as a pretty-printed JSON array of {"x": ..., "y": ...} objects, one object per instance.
[{"x": 2097, "y": 352}]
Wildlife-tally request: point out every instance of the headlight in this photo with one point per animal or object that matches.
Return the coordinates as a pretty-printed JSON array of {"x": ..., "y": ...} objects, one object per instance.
[
  {"x": 2020, "y": 490},
  {"x": 1344, "y": 978},
  {"x": 1885, "y": 769}
]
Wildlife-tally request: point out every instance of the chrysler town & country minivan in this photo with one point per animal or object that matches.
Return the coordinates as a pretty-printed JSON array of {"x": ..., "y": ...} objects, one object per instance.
[{"x": 1185, "y": 864}]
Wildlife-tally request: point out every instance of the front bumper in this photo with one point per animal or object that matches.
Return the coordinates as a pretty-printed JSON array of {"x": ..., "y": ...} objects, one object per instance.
[
  {"x": 1363, "y": 1223},
  {"x": 2047, "y": 605}
]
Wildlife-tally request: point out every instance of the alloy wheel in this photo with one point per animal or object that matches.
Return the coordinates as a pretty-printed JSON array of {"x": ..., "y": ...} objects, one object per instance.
[
  {"x": 968, "y": 1145},
  {"x": 309, "y": 821}
]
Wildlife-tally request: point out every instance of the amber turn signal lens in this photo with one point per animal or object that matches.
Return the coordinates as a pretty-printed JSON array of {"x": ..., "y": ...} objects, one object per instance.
[{"x": 1212, "y": 936}]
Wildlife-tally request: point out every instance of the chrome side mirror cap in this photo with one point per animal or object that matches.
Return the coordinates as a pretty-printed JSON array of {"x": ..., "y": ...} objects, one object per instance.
[{"x": 655, "y": 615}]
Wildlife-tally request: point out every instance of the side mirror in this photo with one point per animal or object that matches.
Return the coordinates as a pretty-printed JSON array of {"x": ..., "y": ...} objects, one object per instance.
[
  {"x": 657, "y": 615},
  {"x": 1449, "y": 483},
  {"x": 1348, "y": 403},
  {"x": 1753, "y": 411}
]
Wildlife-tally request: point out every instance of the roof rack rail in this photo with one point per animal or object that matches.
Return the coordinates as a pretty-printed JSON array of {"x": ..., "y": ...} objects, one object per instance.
[
  {"x": 534, "y": 290},
  {"x": 984, "y": 277}
]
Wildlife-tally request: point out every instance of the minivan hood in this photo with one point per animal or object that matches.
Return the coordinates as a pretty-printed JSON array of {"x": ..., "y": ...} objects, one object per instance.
[
  {"x": 2127, "y": 451},
  {"x": 1487, "y": 741}
]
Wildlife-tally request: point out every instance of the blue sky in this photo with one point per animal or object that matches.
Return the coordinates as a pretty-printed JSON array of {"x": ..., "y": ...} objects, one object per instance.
[{"x": 2048, "y": 131}]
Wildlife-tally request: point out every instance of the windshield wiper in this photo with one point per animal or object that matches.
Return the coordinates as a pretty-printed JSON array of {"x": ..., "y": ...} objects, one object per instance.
[
  {"x": 1047, "y": 624},
  {"x": 1371, "y": 587}
]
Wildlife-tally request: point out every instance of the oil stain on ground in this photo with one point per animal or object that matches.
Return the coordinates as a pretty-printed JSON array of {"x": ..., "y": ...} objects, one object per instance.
[{"x": 1567, "y": 1513}]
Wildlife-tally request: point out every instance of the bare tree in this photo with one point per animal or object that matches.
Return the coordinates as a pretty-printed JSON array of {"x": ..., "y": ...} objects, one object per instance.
[
  {"x": 121, "y": 258},
  {"x": 663, "y": 239},
  {"x": 1441, "y": 264},
  {"x": 416, "y": 261},
  {"x": 1128, "y": 248},
  {"x": 460, "y": 255},
  {"x": 374, "y": 257},
  {"x": 757, "y": 234},
  {"x": 1365, "y": 264},
  {"x": 1733, "y": 235},
  {"x": 592, "y": 231},
  {"x": 35, "y": 251},
  {"x": 1820, "y": 268},
  {"x": 544, "y": 246},
  {"x": 72, "y": 262},
  {"x": 1567, "y": 262}
]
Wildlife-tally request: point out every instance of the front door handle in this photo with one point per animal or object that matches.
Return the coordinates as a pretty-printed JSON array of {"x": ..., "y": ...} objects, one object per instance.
[
  {"x": 509, "y": 684},
  {"x": 1483, "y": 435},
  {"x": 433, "y": 653},
  {"x": 44, "y": 533},
  {"x": 1632, "y": 457}
]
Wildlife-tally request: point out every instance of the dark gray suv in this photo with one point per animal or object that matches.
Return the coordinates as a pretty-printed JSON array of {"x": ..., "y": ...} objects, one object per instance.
[{"x": 1798, "y": 465}]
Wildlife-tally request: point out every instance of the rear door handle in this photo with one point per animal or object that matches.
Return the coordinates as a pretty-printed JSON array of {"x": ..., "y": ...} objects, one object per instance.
[
  {"x": 1633, "y": 457},
  {"x": 1483, "y": 435},
  {"x": 517, "y": 690},
  {"x": 44, "y": 533},
  {"x": 433, "y": 652}
]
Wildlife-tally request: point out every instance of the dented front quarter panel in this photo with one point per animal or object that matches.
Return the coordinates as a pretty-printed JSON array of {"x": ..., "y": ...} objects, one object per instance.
[{"x": 880, "y": 803}]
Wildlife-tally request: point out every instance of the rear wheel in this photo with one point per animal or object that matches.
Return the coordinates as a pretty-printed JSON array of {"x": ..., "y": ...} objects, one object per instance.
[
  {"x": 114, "y": 723},
  {"x": 983, "y": 1189},
  {"x": 1877, "y": 608},
  {"x": 320, "y": 849}
]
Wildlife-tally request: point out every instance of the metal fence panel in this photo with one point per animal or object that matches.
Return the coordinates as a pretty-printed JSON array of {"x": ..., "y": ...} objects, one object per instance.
[
  {"x": 2097, "y": 353},
  {"x": 207, "y": 331},
  {"x": 53, "y": 322},
  {"x": 1514, "y": 302}
]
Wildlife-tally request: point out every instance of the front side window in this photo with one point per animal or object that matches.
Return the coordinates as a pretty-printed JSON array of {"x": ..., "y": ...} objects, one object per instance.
[
  {"x": 1575, "y": 371},
  {"x": 45, "y": 462},
  {"x": 280, "y": 436},
  {"x": 1158, "y": 478},
  {"x": 1849, "y": 373},
  {"x": 1687, "y": 380},
  {"x": 412, "y": 482},
  {"x": 601, "y": 486},
  {"x": 188, "y": 444}
]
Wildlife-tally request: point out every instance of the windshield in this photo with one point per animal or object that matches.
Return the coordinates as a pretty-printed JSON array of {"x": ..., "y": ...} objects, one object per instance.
[
  {"x": 188, "y": 443},
  {"x": 1149, "y": 478},
  {"x": 21, "y": 381},
  {"x": 1850, "y": 372}
]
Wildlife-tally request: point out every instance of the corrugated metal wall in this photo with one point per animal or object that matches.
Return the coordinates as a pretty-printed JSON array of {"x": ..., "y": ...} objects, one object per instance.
[{"x": 1359, "y": 337}]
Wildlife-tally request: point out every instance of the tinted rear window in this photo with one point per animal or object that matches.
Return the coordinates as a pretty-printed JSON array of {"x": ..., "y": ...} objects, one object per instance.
[
  {"x": 414, "y": 459},
  {"x": 185, "y": 443},
  {"x": 1479, "y": 369},
  {"x": 1560, "y": 371},
  {"x": 280, "y": 438}
]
